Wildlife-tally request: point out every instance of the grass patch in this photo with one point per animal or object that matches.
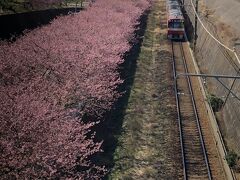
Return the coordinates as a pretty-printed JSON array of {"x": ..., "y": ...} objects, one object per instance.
[
  {"x": 142, "y": 141},
  {"x": 146, "y": 146},
  {"x": 232, "y": 158},
  {"x": 215, "y": 102}
]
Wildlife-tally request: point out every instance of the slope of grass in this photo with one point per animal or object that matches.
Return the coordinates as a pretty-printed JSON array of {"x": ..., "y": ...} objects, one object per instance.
[{"x": 146, "y": 145}]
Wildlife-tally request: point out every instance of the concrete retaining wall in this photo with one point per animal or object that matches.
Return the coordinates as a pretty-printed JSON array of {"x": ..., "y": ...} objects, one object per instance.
[{"x": 214, "y": 59}]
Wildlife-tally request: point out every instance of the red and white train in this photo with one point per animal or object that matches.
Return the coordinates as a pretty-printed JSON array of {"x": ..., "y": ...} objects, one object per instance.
[{"x": 175, "y": 21}]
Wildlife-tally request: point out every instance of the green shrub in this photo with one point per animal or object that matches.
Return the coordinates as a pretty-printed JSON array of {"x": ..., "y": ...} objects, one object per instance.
[
  {"x": 231, "y": 158},
  {"x": 215, "y": 102}
]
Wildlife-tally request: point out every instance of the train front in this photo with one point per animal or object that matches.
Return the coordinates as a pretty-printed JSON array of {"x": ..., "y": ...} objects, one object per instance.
[
  {"x": 175, "y": 20},
  {"x": 176, "y": 27}
]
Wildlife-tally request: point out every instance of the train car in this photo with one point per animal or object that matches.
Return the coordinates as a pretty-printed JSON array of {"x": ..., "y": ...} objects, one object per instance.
[{"x": 175, "y": 21}]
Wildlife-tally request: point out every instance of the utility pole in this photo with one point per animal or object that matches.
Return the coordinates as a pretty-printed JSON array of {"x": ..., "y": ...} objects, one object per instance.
[{"x": 195, "y": 26}]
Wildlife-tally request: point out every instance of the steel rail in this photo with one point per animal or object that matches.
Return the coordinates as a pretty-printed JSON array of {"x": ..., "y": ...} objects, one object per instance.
[
  {"x": 196, "y": 113},
  {"x": 185, "y": 173},
  {"x": 179, "y": 116}
]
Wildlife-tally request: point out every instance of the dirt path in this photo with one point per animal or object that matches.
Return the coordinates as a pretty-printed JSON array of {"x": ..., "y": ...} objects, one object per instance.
[{"x": 149, "y": 141}]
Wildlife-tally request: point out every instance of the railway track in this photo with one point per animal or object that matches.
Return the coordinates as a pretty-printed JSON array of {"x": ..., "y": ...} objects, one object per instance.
[{"x": 194, "y": 156}]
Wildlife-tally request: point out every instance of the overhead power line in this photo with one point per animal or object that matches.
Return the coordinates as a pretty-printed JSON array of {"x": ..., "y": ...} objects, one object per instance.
[{"x": 219, "y": 42}]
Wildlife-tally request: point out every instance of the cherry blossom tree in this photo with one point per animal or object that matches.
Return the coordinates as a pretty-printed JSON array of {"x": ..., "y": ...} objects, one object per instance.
[{"x": 56, "y": 82}]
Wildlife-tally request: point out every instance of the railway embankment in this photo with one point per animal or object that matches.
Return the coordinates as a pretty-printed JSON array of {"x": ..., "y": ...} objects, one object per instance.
[
  {"x": 148, "y": 146},
  {"x": 221, "y": 18}
]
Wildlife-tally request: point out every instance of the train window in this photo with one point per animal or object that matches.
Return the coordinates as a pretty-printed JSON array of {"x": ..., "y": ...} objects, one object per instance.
[{"x": 175, "y": 25}]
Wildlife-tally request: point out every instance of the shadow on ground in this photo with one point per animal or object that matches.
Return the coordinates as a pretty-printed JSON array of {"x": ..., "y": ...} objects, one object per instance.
[
  {"x": 14, "y": 25},
  {"x": 189, "y": 29},
  {"x": 110, "y": 128}
]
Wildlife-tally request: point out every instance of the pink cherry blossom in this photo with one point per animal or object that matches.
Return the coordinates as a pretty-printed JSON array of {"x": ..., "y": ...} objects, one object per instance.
[{"x": 56, "y": 82}]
